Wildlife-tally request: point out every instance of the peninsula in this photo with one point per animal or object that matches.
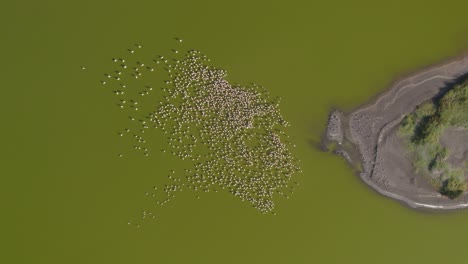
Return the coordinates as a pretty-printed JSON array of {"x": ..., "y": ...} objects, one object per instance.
[{"x": 411, "y": 142}]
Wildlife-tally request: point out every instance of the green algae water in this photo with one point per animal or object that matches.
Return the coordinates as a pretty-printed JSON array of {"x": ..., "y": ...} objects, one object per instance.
[{"x": 67, "y": 197}]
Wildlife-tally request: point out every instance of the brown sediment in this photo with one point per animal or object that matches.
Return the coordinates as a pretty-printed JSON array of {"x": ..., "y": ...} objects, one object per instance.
[{"x": 367, "y": 136}]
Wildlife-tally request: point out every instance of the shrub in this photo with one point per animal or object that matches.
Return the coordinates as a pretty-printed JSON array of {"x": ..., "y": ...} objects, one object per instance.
[{"x": 421, "y": 131}]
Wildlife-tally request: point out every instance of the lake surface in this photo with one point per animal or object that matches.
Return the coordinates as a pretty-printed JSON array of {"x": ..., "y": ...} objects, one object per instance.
[{"x": 67, "y": 197}]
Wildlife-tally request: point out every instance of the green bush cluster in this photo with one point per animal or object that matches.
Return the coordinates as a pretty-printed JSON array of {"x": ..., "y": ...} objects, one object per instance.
[{"x": 422, "y": 129}]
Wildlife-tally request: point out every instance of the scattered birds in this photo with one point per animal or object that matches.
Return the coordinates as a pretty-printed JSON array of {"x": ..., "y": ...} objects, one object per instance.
[{"x": 233, "y": 134}]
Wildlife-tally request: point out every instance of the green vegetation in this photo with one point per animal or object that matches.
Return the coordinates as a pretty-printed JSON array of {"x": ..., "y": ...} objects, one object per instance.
[{"x": 422, "y": 130}]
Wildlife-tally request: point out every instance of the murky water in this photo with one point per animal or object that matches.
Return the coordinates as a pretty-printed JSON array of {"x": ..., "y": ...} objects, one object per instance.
[{"x": 67, "y": 196}]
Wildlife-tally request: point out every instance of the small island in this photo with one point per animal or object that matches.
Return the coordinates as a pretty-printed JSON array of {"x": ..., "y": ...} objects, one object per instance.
[{"x": 411, "y": 142}]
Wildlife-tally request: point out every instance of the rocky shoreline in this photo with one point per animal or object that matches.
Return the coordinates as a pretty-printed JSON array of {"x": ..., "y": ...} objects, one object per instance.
[{"x": 366, "y": 137}]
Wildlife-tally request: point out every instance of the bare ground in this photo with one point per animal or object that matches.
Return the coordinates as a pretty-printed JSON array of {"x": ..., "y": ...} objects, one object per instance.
[{"x": 456, "y": 140}]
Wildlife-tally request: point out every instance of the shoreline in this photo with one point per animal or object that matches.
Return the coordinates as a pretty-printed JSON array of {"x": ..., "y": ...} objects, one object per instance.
[
  {"x": 399, "y": 77},
  {"x": 366, "y": 137}
]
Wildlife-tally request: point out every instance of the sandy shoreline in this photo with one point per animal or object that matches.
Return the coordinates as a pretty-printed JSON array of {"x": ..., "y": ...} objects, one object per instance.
[{"x": 367, "y": 139}]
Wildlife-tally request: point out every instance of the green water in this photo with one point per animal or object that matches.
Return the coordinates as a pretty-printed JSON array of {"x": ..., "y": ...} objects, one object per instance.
[{"x": 66, "y": 197}]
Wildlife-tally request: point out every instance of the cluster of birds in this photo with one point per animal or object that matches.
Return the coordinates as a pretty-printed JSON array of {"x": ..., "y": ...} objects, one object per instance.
[{"x": 233, "y": 135}]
